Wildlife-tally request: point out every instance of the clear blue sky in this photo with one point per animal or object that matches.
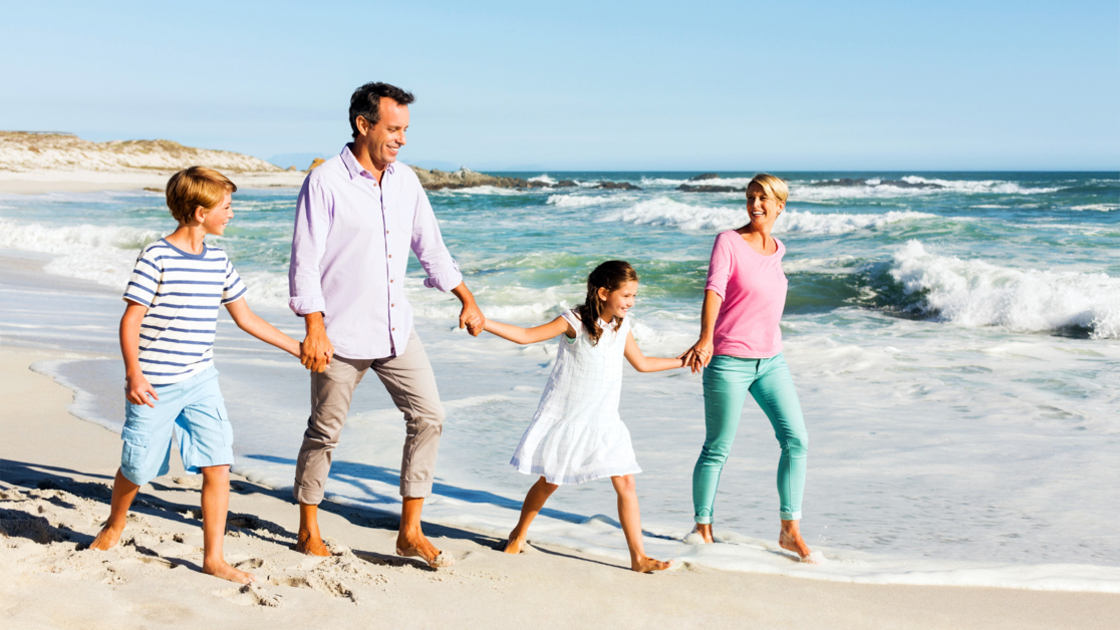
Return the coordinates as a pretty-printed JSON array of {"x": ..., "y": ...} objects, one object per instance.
[{"x": 588, "y": 85}]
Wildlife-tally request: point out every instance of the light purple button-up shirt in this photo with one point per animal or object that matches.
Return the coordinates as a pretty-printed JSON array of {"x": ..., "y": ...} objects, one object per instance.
[{"x": 350, "y": 252}]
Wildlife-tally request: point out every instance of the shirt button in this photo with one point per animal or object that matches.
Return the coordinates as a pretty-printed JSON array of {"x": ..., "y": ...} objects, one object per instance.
[
  {"x": 390, "y": 255},
  {"x": 394, "y": 330},
  {"x": 390, "y": 281},
  {"x": 392, "y": 305},
  {"x": 386, "y": 231}
]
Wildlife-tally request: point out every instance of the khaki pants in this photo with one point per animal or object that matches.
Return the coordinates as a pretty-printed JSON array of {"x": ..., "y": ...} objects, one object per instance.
[{"x": 410, "y": 382}]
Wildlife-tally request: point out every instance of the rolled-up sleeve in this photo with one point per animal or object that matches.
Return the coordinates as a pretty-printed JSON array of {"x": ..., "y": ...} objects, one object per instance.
[
  {"x": 309, "y": 242},
  {"x": 427, "y": 243},
  {"x": 719, "y": 266}
]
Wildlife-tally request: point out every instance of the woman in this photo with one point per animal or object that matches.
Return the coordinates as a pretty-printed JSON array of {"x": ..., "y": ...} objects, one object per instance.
[{"x": 740, "y": 348}]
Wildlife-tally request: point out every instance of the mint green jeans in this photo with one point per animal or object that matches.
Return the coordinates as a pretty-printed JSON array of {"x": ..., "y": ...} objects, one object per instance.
[{"x": 727, "y": 380}]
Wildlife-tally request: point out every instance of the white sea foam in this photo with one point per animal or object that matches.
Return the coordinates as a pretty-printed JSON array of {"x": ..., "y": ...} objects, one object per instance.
[
  {"x": 543, "y": 178},
  {"x": 875, "y": 189},
  {"x": 579, "y": 201},
  {"x": 102, "y": 254},
  {"x": 978, "y": 293},
  {"x": 665, "y": 211},
  {"x": 1097, "y": 207}
]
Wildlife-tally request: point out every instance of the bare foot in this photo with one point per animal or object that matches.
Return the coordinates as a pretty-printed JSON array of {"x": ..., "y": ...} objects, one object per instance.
[
  {"x": 311, "y": 545},
  {"x": 419, "y": 547},
  {"x": 792, "y": 541},
  {"x": 705, "y": 532},
  {"x": 223, "y": 570},
  {"x": 514, "y": 543},
  {"x": 106, "y": 538},
  {"x": 649, "y": 565}
]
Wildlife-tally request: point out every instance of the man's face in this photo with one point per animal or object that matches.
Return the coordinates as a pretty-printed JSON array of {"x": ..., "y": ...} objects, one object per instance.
[{"x": 384, "y": 140}]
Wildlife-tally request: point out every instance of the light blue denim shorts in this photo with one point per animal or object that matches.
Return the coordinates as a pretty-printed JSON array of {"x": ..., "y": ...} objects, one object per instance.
[{"x": 195, "y": 412}]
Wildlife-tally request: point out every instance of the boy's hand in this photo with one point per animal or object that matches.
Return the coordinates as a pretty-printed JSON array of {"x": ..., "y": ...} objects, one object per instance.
[{"x": 135, "y": 388}]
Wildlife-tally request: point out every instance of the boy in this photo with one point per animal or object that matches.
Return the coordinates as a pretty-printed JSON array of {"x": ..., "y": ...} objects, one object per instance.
[{"x": 166, "y": 334}]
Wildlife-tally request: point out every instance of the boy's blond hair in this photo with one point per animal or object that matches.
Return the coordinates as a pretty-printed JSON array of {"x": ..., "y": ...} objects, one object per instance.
[
  {"x": 774, "y": 186},
  {"x": 194, "y": 187}
]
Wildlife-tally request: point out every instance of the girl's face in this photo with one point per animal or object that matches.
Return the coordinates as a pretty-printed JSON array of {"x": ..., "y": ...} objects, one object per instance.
[{"x": 618, "y": 302}]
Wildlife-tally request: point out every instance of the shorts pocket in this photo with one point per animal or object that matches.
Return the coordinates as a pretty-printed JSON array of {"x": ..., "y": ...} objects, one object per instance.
[{"x": 225, "y": 426}]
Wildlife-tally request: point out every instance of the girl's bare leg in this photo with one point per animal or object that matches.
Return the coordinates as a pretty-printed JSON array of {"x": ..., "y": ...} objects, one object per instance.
[
  {"x": 631, "y": 518},
  {"x": 215, "y": 505},
  {"x": 534, "y": 501},
  {"x": 124, "y": 491}
]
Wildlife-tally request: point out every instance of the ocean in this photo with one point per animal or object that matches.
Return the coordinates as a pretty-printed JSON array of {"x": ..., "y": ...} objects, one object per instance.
[{"x": 954, "y": 338}]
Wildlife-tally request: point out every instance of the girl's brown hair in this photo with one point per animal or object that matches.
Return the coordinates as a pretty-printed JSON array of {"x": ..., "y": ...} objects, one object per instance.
[{"x": 610, "y": 275}]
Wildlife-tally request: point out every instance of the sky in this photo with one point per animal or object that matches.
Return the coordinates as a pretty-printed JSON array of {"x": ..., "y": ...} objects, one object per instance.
[{"x": 733, "y": 86}]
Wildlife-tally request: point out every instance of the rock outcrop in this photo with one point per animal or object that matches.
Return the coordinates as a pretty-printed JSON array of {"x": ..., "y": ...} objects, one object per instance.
[
  {"x": 709, "y": 188},
  {"x": 616, "y": 186},
  {"x": 435, "y": 179},
  {"x": 896, "y": 183},
  {"x": 27, "y": 151},
  {"x": 703, "y": 177}
]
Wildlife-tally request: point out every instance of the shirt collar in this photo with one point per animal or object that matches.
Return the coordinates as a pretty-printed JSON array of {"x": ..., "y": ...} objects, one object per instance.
[{"x": 353, "y": 167}]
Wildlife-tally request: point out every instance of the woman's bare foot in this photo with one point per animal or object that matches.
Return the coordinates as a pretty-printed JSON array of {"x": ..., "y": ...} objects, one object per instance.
[
  {"x": 790, "y": 540},
  {"x": 106, "y": 538},
  {"x": 649, "y": 565},
  {"x": 705, "y": 531},
  {"x": 222, "y": 569}
]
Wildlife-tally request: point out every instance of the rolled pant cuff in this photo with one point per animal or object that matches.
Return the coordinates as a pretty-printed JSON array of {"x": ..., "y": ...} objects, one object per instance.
[
  {"x": 791, "y": 516},
  {"x": 305, "y": 496},
  {"x": 416, "y": 489},
  {"x": 704, "y": 520}
]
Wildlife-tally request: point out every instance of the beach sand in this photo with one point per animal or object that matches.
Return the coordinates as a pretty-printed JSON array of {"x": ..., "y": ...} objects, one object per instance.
[
  {"x": 34, "y": 182},
  {"x": 55, "y": 471}
]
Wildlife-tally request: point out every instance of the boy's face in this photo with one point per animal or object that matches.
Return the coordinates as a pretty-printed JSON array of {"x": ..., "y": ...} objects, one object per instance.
[{"x": 214, "y": 220}]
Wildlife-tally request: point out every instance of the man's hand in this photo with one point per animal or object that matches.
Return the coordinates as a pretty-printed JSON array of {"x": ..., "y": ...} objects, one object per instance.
[
  {"x": 316, "y": 350},
  {"x": 137, "y": 389},
  {"x": 471, "y": 316}
]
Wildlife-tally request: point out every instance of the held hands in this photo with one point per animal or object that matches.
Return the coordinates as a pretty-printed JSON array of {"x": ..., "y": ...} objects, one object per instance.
[
  {"x": 698, "y": 356},
  {"x": 137, "y": 389},
  {"x": 472, "y": 318},
  {"x": 316, "y": 351}
]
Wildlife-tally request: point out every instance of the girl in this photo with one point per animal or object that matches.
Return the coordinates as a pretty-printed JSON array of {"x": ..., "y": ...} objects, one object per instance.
[{"x": 576, "y": 434}]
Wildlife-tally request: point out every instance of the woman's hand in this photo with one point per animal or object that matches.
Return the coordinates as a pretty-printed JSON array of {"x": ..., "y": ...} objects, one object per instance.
[{"x": 699, "y": 355}]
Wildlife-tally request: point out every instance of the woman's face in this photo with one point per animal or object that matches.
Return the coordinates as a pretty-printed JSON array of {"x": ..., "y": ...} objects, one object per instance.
[{"x": 763, "y": 208}]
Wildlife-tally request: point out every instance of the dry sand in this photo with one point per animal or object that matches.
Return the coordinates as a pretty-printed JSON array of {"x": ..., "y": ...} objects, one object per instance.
[
  {"x": 55, "y": 471},
  {"x": 42, "y": 181}
]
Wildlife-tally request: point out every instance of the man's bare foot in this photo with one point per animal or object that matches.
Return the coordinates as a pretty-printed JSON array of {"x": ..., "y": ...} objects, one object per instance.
[
  {"x": 514, "y": 544},
  {"x": 419, "y": 547},
  {"x": 106, "y": 538},
  {"x": 222, "y": 569},
  {"x": 311, "y": 545},
  {"x": 649, "y": 565}
]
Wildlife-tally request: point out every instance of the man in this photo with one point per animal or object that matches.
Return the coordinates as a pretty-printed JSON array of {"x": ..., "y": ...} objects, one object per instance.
[{"x": 358, "y": 215}]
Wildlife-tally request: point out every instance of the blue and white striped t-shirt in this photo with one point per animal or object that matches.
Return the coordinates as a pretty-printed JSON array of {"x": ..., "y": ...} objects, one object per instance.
[{"x": 183, "y": 293}]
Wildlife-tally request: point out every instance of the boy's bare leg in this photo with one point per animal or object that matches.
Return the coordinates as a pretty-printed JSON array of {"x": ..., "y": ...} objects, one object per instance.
[
  {"x": 124, "y": 491},
  {"x": 631, "y": 518},
  {"x": 534, "y": 502},
  {"x": 410, "y": 539},
  {"x": 215, "y": 505},
  {"x": 308, "y": 540}
]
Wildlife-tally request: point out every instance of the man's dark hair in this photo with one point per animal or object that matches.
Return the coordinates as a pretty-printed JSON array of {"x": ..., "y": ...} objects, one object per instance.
[{"x": 365, "y": 100}]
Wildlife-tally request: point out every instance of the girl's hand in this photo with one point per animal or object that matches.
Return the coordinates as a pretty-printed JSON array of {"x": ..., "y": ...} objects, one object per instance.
[{"x": 135, "y": 388}]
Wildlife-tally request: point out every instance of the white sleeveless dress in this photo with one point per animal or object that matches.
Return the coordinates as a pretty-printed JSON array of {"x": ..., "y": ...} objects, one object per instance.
[{"x": 577, "y": 434}]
